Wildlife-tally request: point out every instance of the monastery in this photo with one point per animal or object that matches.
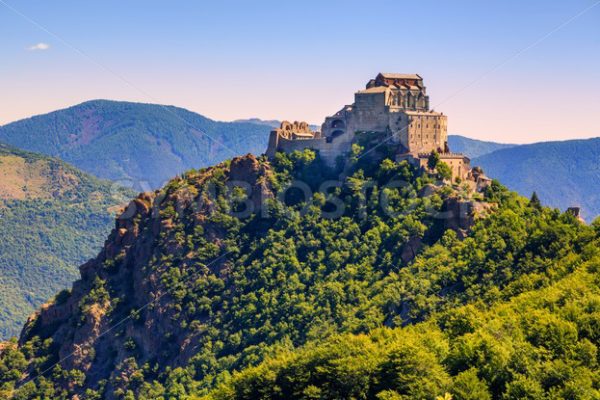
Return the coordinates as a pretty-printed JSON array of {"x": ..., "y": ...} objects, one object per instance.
[{"x": 396, "y": 105}]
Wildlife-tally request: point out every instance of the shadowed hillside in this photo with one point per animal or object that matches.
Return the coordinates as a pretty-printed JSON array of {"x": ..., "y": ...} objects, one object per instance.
[
  {"x": 473, "y": 147},
  {"x": 563, "y": 174},
  {"x": 52, "y": 218}
]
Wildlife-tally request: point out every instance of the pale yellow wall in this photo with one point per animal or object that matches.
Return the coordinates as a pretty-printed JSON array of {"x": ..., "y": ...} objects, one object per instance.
[
  {"x": 427, "y": 132},
  {"x": 460, "y": 166}
]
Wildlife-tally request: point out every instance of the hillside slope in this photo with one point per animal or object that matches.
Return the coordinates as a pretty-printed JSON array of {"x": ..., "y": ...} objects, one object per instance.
[
  {"x": 473, "y": 147},
  {"x": 563, "y": 174},
  {"x": 349, "y": 293},
  {"x": 52, "y": 218},
  {"x": 145, "y": 144}
]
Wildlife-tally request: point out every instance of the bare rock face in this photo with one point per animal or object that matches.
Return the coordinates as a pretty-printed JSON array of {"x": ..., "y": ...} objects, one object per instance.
[
  {"x": 460, "y": 215},
  {"x": 428, "y": 190},
  {"x": 248, "y": 173},
  {"x": 5, "y": 346},
  {"x": 244, "y": 169},
  {"x": 411, "y": 249},
  {"x": 457, "y": 214}
]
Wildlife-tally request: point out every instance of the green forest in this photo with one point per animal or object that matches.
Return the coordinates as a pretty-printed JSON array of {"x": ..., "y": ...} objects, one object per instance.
[
  {"x": 44, "y": 237},
  {"x": 382, "y": 302}
]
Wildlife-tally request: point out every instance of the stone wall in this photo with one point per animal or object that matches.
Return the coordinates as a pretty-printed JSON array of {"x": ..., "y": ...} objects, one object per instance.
[
  {"x": 329, "y": 151},
  {"x": 458, "y": 163},
  {"x": 289, "y": 132},
  {"x": 297, "y": 136},
  {"x": 426, "y": 132}
]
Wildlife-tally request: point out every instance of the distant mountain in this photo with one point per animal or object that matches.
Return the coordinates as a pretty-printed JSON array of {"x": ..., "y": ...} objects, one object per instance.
[
  {"x": 273, "y": 123},
  {"x": 563, "y": 174},
  {"x": 473, "y": 147},
  {"x": 53, "y": 217},
  {"x": 144, "y": 143}
]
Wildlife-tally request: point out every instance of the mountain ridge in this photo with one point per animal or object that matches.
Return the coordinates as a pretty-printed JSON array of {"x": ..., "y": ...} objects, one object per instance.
[
  {"x": 139, "y": 143},
  {"x": 562, "y": 173},
  {"x": 475, "y": 147}
]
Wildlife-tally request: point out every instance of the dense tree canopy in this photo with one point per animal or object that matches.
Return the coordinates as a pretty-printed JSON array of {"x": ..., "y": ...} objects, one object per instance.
[{"x": 60, "y": 221}]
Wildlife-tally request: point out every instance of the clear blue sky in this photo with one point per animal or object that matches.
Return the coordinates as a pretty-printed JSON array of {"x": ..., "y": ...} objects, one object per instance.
[{"x": 304, "y": 60}]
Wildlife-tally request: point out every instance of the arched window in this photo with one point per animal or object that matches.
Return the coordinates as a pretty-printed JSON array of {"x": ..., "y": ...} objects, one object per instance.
[{"x": 338, "y": 124}]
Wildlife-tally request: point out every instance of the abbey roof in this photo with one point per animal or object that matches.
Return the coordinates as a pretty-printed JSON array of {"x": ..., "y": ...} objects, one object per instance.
[{"x": 389, "y": 75}]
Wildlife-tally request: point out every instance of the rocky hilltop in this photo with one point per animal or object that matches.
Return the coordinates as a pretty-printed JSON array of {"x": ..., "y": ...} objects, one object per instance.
[
  {"x": 133, "y": 266},
  {"x": 288, "y": 279}
]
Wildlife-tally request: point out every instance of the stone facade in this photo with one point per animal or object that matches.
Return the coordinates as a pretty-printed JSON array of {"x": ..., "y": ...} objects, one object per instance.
[
  {"x": 394, "y": 104},
  {"x": 458, "y": 163}
]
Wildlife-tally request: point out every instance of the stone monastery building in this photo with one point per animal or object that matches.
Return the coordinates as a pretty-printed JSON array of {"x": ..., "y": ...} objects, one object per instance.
[{"x": 396, "y": 105}]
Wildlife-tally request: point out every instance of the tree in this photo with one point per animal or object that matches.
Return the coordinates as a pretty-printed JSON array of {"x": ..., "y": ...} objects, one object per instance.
[
  {"x": 444, "y": 171},
  {"x": 433, "y": 160},
  {"x": 467, "y": 386},
  {"x": 535, "y": 201}
]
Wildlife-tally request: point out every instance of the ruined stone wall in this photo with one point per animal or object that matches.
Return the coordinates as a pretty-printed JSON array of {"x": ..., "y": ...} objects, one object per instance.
[
  {"x": 289, "y": 132},
  {"x": 458, "y": 163},
  {"x": 329, "y": 151}
]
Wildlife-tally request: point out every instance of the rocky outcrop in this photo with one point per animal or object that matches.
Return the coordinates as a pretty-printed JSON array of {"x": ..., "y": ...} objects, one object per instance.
[
  {"x": 411, "y": 249},
  {"x": 460, "y": 215},
  {"x": 6, "y": 345},
  {"x": 252, "y": 176}
]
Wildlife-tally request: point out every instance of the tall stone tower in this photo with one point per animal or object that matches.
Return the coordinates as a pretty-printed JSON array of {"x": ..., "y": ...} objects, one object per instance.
[{"x": 397, "y": 104}]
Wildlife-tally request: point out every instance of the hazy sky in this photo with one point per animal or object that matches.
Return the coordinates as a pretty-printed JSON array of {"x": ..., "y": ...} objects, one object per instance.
[{"x": 511, "y": 71}]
